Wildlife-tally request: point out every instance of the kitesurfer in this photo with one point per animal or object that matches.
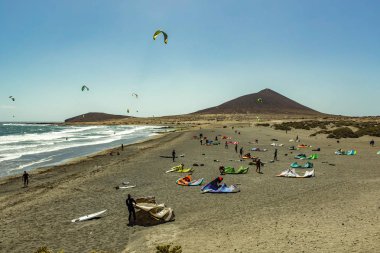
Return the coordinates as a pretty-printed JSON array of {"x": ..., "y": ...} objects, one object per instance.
[
  {"x": 25, "y": 179},
  {"x": 258, "y": 165},
  {"x": 173, "y": 155},
  {"x": 275, "y": 155},
  {"x": 131, "y": 209}
]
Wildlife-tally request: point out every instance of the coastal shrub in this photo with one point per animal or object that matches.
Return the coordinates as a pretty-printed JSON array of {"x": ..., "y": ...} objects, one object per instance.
[
  {"x": 45, "y": 249},
  {"x": 320, "y": 132},
  {"x": 263, "y": 124},
  {"x": 373, "y": 130},
  {"x": 342, "y": 132},
  {"x": 167, "y": 248}
]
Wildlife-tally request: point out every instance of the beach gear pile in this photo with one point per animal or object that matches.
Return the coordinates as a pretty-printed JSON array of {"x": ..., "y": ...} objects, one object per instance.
[
  {"x": 313, "y": 157},
  {"x": 187, "y": 181},
  {"x": 231, "y": 170},
  {"x": 307, "y": 165},
  {"x": 303, "y": 156},
  {"x": 213, "y": 188},
  {"x": 259, "y": 149},
  {"x": 349, "y": 152},
  {"x": 291, "y": 173},
  {"x": 149, "y": 213},
  {"x": 180, "y": 169}
]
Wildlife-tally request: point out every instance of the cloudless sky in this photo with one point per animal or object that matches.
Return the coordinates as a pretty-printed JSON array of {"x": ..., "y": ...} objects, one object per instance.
[{"x": 324, "y": 54}]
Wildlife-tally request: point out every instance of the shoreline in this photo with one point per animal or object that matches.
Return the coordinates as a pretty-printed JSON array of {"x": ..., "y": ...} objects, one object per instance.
[
  {"x": 155, "y": 134},
  {"x": 80, "y": 159}
]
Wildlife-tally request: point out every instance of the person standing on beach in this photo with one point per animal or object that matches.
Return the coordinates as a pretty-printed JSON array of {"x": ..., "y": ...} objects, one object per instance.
[
  {"x": 226, "y": 145},
  {"x": 173, "y": 155},
  {"x": 200, "y": 136},
  {"x": 258, "y": 165},
  {"x": 201, "y": 142},
  {"x": 25, "y": 178},
  {"x": 236, "y": 147},
  {"x": 241, "y": 152},
  {"x": 275, "y": 155},
  {"x": 122, "y": 147},
  {"x": 131, "y": 209},
  {"x": 372, "y": 143}
]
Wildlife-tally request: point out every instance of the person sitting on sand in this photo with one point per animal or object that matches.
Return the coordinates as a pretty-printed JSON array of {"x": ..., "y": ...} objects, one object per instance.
[
  {"x": 221, "y": 170},
  {"x": 131, "y": 209},
  {"x": 25, "y": 178},
  {"x": 215, "y": 184},
  {"x": 258, "y": 165}
]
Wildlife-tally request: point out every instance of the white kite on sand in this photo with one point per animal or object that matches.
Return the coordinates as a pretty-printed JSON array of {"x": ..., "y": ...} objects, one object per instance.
[{"x": 293, "y": 174}]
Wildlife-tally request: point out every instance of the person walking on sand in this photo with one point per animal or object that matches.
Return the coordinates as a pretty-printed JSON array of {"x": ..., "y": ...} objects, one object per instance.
[
  {"x": 258, "y": 165},
  {"x": 173, "y": 155},
  {"x": 122, "y": 147},
  {"x": 236, "y": 147},
  {"x": 226, "y": 145},
  {"x": 372, "y": 143},
  {"x": 275, "y": 155},
  {"x": 25, "y": 178},
  {"x": 201, "y": 142},
  {"x": 241, "y": 152},
  {"x": 131, "y": 210}
]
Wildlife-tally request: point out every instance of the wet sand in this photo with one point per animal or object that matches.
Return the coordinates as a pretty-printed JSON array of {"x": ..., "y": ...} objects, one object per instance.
[{"x": 337, "y": 211}]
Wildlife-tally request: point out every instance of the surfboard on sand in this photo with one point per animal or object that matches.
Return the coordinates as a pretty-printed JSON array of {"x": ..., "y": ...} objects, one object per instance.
[
  {"x": 88, "y": 217},
  {"x": 126, "y": 187}
]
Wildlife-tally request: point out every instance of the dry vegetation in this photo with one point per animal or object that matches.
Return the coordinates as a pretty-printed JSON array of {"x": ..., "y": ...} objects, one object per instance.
[{"x": 335, "y": 129}]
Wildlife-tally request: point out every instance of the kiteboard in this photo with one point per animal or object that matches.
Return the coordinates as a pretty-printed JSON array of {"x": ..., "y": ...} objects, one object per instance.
[
  {"x": 126, "y": 186},
  {"x": 88, "y": 217}
]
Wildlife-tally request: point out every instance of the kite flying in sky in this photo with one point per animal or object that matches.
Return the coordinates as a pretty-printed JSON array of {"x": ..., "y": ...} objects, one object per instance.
[{"x": 158, "y": 32}]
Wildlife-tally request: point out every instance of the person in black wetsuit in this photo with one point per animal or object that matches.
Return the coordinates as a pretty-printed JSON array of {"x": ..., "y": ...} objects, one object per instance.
[
  {"x": 131, "y": 209},
  {"x": 258, "y": 165},
  {"x": 173, "y": 155},
  {"x": 236, "y": 148},
  {"x": 241, "y": 152},
  {"x": 275, "y": 155},
  {"x": 25, "y": 178},
  {"x": 215, "y": 183}
]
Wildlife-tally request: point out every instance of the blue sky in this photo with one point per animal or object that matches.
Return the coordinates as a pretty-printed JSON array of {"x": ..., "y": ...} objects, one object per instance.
[{"x": 323, "y": 54}]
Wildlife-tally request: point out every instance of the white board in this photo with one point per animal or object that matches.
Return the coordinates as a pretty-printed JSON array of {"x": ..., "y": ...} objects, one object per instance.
[
  {"x": 90, "y": 216},
  {"x": 127, "y": 186}
]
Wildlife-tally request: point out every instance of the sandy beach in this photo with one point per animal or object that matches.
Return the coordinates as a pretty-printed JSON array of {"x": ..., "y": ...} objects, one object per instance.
[{"x": 336, "y": 211}]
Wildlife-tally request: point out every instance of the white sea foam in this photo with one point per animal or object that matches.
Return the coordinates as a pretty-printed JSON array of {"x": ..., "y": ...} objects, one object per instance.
[{"x": 16, "y": 146}]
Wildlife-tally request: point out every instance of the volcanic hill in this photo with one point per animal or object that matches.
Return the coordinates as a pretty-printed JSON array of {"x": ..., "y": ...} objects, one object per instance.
[
  {"x": 265, "y": 101},
  {"x": 94, "y": 117}
]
